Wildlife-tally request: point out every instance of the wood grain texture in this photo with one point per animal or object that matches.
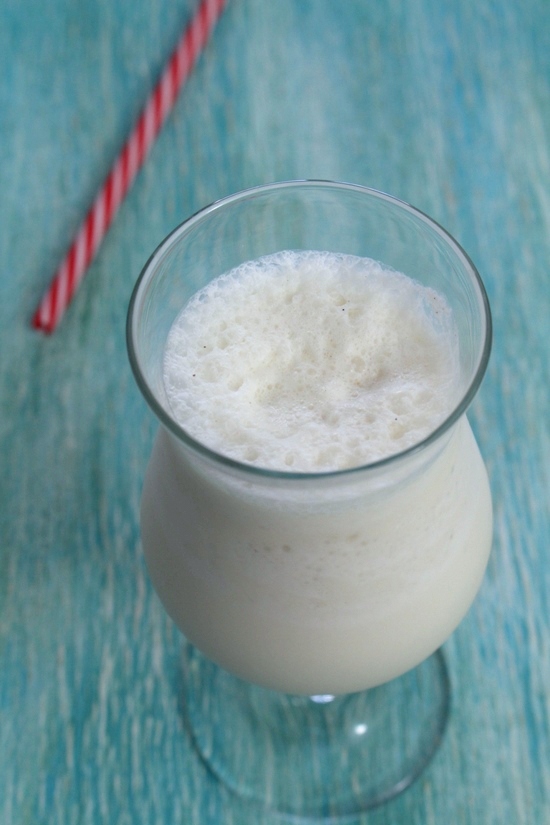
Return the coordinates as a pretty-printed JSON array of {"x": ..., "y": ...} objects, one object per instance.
[{"x": 446, "y": 105}]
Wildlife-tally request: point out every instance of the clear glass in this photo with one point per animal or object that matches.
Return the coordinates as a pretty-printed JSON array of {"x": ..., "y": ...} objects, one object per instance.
[{"x": 324, "y": 597}]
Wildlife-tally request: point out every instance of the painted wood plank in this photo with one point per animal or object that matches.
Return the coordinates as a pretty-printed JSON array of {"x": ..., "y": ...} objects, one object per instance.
[{"x": 444, "y": 105}]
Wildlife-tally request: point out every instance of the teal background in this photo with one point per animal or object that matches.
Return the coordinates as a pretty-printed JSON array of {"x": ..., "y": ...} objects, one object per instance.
[{"x": 446, "y": 105}]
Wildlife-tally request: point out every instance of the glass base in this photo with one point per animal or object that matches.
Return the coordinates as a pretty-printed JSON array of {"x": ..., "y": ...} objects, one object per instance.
[{"x": 321, "y": 757}]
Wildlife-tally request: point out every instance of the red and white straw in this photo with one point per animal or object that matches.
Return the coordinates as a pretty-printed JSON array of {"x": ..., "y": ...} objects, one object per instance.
[{"x": 126, "y": 166}]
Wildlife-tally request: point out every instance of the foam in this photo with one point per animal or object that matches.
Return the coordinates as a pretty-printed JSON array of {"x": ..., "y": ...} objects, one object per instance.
[{"x": 312, "y": 361}]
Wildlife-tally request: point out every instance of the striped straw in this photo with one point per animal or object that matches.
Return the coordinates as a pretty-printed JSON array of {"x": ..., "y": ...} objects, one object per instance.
[{"x": 125, "y": 168}]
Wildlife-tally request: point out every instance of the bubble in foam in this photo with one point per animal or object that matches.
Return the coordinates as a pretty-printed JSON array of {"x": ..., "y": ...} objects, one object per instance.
[{"x": 312, "y": 361}]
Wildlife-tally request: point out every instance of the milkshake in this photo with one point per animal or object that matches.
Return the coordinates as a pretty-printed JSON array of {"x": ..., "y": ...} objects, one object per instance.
[
  {"x": 327, "y": 530},
  {"x": 316, "y": 516}
]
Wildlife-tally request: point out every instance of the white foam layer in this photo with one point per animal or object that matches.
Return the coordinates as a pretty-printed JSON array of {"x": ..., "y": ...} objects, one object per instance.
[{"x": 311, "y": 362}]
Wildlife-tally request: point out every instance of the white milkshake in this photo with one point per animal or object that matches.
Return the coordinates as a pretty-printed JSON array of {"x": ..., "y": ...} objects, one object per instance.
[
  {"x": 312, "y": 362},
  {"x": 315, "y": 363}
]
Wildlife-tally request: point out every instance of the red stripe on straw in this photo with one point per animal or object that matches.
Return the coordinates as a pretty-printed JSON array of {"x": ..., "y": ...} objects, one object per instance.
[{"x": 126, "y": 166}]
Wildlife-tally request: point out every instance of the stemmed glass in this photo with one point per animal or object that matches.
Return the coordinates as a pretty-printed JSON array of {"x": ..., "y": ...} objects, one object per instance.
[{"x": 313, "y": 605}]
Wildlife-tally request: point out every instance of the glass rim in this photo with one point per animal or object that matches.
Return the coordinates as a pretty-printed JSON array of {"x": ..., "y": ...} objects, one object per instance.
[{"x": 187, "y": 226}]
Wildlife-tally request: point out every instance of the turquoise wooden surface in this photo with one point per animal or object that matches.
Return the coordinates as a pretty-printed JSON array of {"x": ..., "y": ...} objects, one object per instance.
[{"x": 446, "y": 105}]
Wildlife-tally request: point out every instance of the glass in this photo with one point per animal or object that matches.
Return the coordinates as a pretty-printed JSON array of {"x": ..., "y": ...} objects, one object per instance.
[{"x": 323, "y": 598}]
